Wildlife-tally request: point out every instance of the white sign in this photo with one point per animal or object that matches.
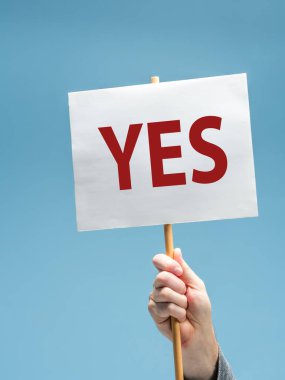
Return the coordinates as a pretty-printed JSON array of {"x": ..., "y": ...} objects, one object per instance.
[{"x": 163, "y": 153}]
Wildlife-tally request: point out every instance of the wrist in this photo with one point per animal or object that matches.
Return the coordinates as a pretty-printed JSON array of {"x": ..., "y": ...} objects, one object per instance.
[{"x": 200, "y": 356}]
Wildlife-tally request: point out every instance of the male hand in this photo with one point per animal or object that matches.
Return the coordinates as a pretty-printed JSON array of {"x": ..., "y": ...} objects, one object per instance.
[{"x": 180, "y": 293}]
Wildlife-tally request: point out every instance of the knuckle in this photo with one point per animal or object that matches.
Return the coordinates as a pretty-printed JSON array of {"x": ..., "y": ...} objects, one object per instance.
[
  {"x": 158, "y": 281},
  {"x": 171, "y": 308},
  {"x": 151, "y": 306},
  {"x": 165, "y": 293},
  {"x": 161, "y": 311},
  {"x": 162, "y": 276}
]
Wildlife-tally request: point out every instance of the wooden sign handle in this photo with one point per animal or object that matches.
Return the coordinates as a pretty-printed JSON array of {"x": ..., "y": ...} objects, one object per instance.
[{"x": 175, "y": 327}]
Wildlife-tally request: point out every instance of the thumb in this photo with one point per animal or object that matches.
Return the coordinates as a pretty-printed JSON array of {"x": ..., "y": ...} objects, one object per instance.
[{"x": 189, "y": 276}]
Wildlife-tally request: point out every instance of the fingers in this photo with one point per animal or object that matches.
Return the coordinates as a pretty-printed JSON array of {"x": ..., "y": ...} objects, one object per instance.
[
  {"x": 167, "y": 295},
  {"x": 162, "y": 311},
  {"x": 169, "y": 280},
  {"x": 165, "y": 263},
  {"x": 177, "y": 292},
  {"x": 189, "y": 276},
  {"x": 179, "y": 267}
]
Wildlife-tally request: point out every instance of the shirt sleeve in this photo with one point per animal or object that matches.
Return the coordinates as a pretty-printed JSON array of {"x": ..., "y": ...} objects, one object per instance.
[{"x": 224, "y": 369}]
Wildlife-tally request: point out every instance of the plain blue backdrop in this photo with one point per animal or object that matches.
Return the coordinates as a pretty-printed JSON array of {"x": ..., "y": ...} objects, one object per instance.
[{"x": 74, "y": 305}]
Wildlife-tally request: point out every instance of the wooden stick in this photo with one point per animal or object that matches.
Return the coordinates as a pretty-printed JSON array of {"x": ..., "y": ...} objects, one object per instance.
[{"x": 175, "y": 327}]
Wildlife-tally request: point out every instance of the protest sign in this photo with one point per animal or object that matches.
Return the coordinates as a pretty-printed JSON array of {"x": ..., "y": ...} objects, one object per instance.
[{"x": 166, "y": 153}]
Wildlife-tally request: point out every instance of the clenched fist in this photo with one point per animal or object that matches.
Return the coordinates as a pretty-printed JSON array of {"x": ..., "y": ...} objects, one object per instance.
[{"x": 180, "y": 293}]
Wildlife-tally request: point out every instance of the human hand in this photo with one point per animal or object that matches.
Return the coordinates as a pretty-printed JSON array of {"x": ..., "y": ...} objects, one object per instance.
[{"x": 178, "y": 292}]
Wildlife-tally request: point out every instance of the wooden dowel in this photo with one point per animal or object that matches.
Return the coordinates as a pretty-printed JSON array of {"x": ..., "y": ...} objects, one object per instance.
[
  {"x": 177, "y": 351},
  {"x": 175, "y": 326}
]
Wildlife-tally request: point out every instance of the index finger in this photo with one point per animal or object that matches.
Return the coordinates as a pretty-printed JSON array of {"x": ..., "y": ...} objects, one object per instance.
[{"x": 165, "y": 263}]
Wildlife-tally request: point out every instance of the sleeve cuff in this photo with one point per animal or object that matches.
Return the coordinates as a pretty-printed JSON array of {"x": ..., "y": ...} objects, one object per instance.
[{"x": 224, "y": 369}]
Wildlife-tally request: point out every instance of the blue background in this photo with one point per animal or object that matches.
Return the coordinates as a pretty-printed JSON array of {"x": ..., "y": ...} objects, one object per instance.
[{"x": 74, "y": 305}]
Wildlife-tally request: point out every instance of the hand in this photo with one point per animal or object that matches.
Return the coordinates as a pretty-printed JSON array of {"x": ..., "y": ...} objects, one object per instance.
[{"x": 180, "y": 293}]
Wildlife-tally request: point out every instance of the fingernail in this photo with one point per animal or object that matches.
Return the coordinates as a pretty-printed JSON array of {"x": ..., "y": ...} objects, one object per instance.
[{"x": 178, "y": 251}]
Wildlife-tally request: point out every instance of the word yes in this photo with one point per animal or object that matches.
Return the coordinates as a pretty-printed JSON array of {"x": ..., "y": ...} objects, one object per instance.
[{"x": 158, "y": 153}]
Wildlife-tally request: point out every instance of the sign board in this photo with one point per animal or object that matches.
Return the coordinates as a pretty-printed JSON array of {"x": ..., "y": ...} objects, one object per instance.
[{"x": 162, "y": 153}]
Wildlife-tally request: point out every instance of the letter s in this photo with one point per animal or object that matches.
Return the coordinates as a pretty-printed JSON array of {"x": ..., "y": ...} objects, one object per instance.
[{"x": 208, "y": 149}]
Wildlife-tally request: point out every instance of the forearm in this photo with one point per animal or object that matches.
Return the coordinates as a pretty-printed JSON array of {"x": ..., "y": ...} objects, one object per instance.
[{"x": 201, "y": 355}]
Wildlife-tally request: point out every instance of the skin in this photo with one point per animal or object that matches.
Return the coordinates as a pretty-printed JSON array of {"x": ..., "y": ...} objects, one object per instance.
[{"x": 180, "y": 293}]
